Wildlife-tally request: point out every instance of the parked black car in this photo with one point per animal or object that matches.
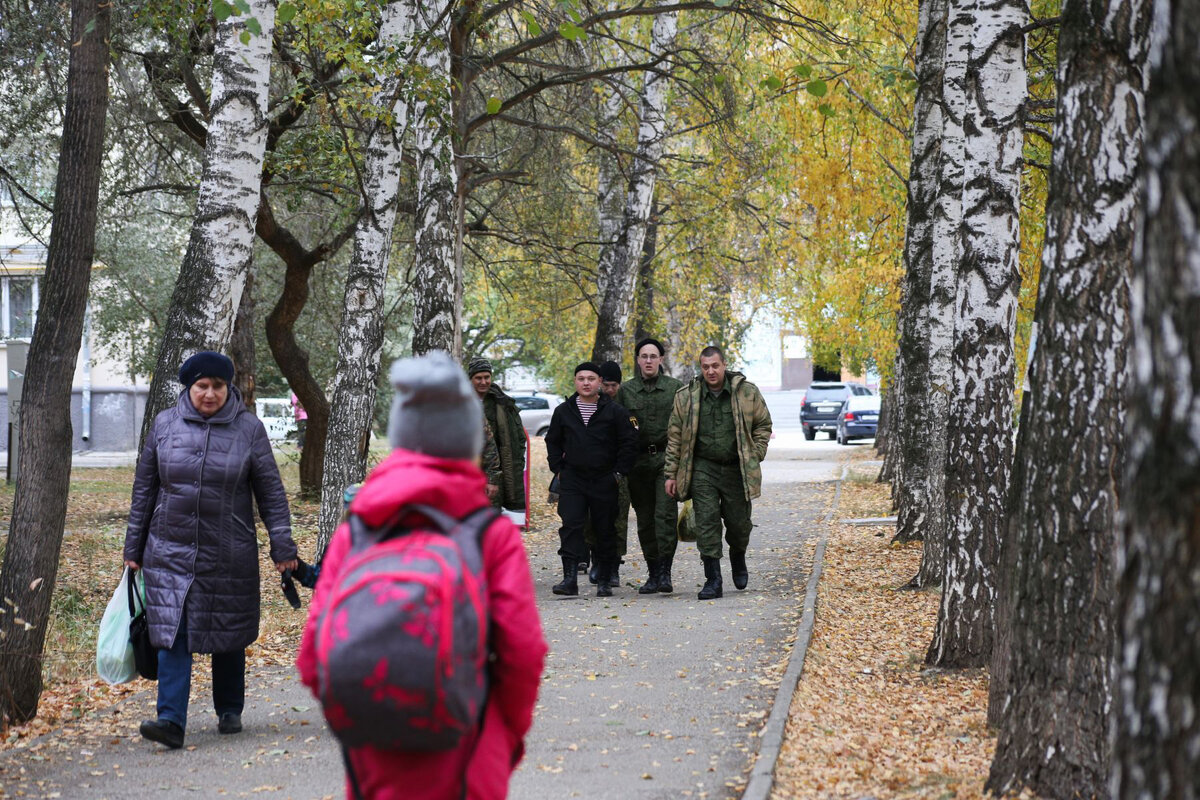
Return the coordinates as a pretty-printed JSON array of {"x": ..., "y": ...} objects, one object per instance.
[
  {"x": 858, "y": 419},
  {"x": 823, "y": 403}
]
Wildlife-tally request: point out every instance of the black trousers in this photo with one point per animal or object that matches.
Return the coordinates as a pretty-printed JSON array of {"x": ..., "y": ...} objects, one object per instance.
[{"x": 582, "y": 495}]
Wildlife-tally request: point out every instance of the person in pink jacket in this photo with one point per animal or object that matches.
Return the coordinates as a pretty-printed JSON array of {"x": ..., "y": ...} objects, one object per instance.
[{"x": 436, "y": 430}]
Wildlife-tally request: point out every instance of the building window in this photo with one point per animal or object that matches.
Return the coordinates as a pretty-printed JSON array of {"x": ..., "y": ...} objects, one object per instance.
[{"x": 18, "y": 307}]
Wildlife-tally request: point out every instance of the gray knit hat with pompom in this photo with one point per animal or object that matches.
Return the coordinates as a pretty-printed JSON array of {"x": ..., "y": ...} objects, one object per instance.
[{"x": 435, "y": 410}]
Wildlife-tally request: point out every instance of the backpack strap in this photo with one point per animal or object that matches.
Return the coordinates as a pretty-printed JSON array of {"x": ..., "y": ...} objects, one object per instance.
[{"x": 467, "y": 531}]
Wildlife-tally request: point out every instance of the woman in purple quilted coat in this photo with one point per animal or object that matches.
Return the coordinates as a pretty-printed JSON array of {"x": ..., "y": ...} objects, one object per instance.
[{"x": 191, "y": 529}]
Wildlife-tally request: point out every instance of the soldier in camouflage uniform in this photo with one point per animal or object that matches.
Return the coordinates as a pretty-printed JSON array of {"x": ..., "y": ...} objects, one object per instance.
[
  {"x": 717, "y": 436},
  {"x": 649, "y": 396},
  {"x": 501, "y": 414}
]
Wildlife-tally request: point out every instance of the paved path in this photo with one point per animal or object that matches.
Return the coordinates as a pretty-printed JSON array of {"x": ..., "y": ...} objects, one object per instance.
[{"x": 644, "y": 697}]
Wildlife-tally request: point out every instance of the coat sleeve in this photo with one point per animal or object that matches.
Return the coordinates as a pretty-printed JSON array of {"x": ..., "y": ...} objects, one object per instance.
[
  {"x": 554, "y": 441},
  {"x": 626, "y": 440},
  {"x": 335, "y": 553},
  {"x": 518, "y": 658},
  {"x": 675, "y": 435},
  {"x": 270, "y": 494},
  {"x": 145, "y": 497},
  {"x": 760, "y": 423}
]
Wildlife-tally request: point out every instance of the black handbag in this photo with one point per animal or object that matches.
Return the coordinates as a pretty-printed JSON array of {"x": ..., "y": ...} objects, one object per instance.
[{"x": 145, "y": 655}]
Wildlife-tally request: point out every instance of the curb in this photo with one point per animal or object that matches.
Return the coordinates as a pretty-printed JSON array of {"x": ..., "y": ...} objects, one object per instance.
[{"x": 762, "y": 776}]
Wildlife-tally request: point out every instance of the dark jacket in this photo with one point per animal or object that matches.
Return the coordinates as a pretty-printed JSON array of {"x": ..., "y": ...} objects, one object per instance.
[
  {"x": 191, "y": 523},
  {"x": 501, "y": 411},
  {"x": 607, "y": 444}
]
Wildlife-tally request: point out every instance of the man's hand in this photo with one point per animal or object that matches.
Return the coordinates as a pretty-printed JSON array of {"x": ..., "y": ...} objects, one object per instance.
[
  {"x": 286, "y": 565},
  {"x": 133, "y": 565},
  {"x": 670, "y": 487},
  {"x": 492, "y": 491}
]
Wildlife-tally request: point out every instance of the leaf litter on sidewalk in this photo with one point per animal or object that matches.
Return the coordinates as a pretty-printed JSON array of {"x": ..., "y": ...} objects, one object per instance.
[{"x": 868, "y": 719}]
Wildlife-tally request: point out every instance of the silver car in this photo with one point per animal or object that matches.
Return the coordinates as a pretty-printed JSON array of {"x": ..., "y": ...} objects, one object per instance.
[{"x": 535, "y": 410}]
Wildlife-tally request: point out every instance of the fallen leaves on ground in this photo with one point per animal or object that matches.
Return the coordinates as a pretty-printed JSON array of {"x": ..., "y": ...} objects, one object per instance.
[{"x": 868, "y": 719}]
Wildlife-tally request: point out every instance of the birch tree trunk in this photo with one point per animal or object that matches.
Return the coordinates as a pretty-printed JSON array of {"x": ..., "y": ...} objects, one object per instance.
[
  {"x": 946, "y": 250},
  {"x": 1053, "y": 708},
  {"x": 44, "y": 456},
  {"x": 618, "y": 263},
  {"x": 1156, "y": 750},
  {"x": 909, "y": 450},
  {"x": 434, "y": 273},
  {"x": 241, "y": 344},
  {"x": 979, "y": 455},
  {"x": 360, "y": 336},
  {"x": 209, "y": 288}
]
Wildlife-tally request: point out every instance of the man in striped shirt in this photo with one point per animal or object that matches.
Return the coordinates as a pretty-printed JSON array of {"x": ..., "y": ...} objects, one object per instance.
[{"x": 590, "y": 446}]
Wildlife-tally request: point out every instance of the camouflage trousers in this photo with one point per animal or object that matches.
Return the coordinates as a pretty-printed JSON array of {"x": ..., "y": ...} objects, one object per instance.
[{"x": 718, "y": 496}]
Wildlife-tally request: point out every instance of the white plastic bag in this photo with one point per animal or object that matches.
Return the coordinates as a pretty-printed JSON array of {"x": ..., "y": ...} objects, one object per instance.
[{"x": 114, "y": 653}]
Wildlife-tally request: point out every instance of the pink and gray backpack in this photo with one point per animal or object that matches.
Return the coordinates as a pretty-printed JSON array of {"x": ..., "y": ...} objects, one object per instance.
[{"x": 402, "y": 645}]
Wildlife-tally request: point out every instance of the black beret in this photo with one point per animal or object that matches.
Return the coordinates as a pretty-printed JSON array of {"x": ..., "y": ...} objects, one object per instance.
[
  {"x": 206, "y": 364},
  {"x": 590, "y": 366},
  {"x": 610, "y": 371}
]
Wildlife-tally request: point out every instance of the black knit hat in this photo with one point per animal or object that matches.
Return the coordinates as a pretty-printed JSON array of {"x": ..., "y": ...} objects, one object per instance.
[
  {"x": 590, "y": 366},
  {"x": 662, "y": 351},
  {"x": 206, "y": 364},
  {"x": 610, "y": 371}
]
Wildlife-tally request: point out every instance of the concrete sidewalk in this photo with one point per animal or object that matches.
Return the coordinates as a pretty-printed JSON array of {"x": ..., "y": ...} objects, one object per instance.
[{"x": 657, "y": 696}]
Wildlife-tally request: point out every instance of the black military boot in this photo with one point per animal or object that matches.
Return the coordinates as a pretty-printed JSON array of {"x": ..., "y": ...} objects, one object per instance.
[
  {"x": 651, "y": 584},
  {"x": 594, "y": 571},
  {"x": 604, "y": 579},
  {"x": 712, "y": 579},
  {"x": 569, "y": 585},
  {"x": 664, "y": 574},
  {"x": 737, "y": 568}
]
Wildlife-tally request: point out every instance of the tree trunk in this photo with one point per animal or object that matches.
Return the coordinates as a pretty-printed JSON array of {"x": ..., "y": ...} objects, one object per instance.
[
  {"x": 618, "y": 262},
  {"x": 910, "y": 444},
  {"x": 979, "y": 455},
  {"x": 241, "y": 345},
  {"x": 1053, "y": 704},
  {"x": 213, "y": 273},
  {"x": 644, "y": 325},
  {"x": 43, "y": 478},
  {"x": 360, "y": 337},
  {"x": 434, "y": 274},
  {"x": 281, "y": 338},
  {"x": 934, "y": 390},
  {"x": 1156, "y": 749}
]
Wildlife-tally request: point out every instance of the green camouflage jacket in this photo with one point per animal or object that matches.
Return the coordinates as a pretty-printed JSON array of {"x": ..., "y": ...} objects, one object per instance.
[
  {"x": 501, "y": 412},
  {"x": 753, "y": 429}
]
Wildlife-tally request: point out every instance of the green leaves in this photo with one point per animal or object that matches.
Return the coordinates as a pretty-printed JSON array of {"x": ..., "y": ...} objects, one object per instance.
[
  {"x": 493, "y": 105},
  {"x": 285, "y": 13},
  {"x": 531, "y": 23},
  {"x": 772, "y": 83},
  {"x": 817, "y": 88},
  {"x": 572, "y": 32},
  {"x": 722, "y": 3},
  {"x": 802, "y": 71},
  {"x": 221, "y": 10},
  {"x": 827, "y": 110}
]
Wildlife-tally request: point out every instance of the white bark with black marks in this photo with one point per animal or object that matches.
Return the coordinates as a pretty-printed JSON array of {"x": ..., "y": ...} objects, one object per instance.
[
  {"x": 909, "y": 412},
  {"x": 946, "y": 249},
  {"x": 434, "y": 271},
  {"x": 619, "y": 261},
  {"x": 209, "y": 288},
  {"x": 360, "y": 336},
  {"x": 1053, "y": 703},
  {"x": 979, "y": 451},
  {"x": 1156, "y": 752}
]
